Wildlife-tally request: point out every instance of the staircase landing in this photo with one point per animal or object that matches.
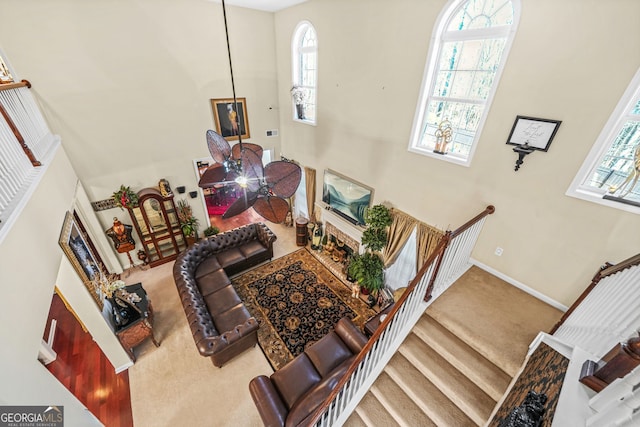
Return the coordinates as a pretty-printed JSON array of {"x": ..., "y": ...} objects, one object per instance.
[{"x": 459, "y": 358}]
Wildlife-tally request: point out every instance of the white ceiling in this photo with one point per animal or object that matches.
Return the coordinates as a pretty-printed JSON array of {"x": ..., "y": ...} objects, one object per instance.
[{"x": 266, "y": 5}]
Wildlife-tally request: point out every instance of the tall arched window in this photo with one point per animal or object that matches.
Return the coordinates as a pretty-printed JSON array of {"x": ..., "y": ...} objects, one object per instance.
[
  {"x": 304, "y": 56},
  {"x": 611, "y": 173},
  {"x": 469, "y": 47}
]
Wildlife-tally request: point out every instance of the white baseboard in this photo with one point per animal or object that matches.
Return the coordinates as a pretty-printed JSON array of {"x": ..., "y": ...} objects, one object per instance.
[{"x": 521, "y": 286}]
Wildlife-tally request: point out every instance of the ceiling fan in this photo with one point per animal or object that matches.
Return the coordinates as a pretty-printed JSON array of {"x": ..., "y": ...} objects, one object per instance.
[{"x": 264, "y": 188}]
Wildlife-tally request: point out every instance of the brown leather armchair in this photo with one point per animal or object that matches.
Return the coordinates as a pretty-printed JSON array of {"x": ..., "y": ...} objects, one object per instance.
[{"x": 290, "y": 395}]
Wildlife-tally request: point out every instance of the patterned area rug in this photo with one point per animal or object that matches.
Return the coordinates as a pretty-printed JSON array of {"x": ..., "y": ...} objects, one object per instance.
[
  {"x": 297, "y": 301},
  {"x": 543, "y": 373}
]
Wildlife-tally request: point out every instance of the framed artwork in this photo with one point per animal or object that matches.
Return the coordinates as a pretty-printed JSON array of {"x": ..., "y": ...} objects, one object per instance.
[
  {"x": 231, "y": 120},
  {"x": 75, "y": 246},
  {"x": 536, "y": 133}
]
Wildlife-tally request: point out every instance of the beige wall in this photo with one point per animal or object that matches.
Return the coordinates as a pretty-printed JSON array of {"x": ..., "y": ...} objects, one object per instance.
[
  {"x": 571, "y": 61},
  {"x": 31, "y": 264},
  {"x": 127, "y": 84}
]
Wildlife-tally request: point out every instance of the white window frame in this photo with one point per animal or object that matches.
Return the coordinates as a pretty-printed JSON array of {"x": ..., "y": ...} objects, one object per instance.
[
  {"x": 296, "y": 52},
  {"x": 440, "y": 36},
  {"x": 607, "y": 136}
]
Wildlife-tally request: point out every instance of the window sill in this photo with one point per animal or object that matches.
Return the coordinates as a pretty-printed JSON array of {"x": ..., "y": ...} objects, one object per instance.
[
  {"x": 595, "y": 197},
  {"x": 305, "y": 121},
  {"x": 448, "y": 157}
]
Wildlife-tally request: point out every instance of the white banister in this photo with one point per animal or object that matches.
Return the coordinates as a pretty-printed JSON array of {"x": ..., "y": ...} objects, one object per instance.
[
  {"x": 454, "y": 263},
  {"x": 608, "y": 315},
  {"x": 18, "y": 176}
]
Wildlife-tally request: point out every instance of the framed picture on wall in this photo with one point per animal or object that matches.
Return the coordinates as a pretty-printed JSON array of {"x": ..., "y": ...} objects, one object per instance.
[
  {"x": 76, "y": 247},
  {"x": 535, "y": 133},
  {"x": 231, "y": 119}
]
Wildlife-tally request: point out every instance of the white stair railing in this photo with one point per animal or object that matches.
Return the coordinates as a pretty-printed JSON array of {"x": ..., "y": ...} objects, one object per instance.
[
  {"x": 448, "y": 261},
  {"x": 608, "y": 313},
  {"x": 26, "y": 144}
]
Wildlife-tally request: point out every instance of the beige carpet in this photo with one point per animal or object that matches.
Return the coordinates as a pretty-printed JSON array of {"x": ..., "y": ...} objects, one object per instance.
[
  {"x": 498, "y": 319},
  {"x": 173, "y": 385}
]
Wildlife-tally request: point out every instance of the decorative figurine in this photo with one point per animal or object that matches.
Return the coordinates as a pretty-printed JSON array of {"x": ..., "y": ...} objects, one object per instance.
[
  {"x": 443, "y": 136},
  {"x": 355, "y": 290},
  {"x": 165, "y": 188}
]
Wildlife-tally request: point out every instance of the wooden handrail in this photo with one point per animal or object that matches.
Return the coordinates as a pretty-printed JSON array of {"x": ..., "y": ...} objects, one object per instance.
[
  {"x": 438, "y": 253},
  {"x": 12, "y": 125},
  {"x": 449, "y": 236},
  {"x": 15, "y": 85},
  {"x": 488, "y": 211},
  {"x": 379, "y": 330},
  {"x": 606, "y": 270}
]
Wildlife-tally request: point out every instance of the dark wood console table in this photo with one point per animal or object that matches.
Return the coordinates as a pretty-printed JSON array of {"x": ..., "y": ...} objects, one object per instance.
[{"x": 139, "y": 324}]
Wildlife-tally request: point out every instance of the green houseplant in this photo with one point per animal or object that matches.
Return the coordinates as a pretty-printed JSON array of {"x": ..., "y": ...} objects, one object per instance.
[
  {"x": 188, "y": 222},
  {"x": 211, "y": 231},
  {"x": 368, "y": 268}
]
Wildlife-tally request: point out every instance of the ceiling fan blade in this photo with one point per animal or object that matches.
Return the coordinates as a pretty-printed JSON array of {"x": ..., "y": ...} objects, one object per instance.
[
  {"x": 272, "y": 208},
  {"x": 241, "y": 204},
  {"x": 218, "y": 147},
  {"x": 252, "y": 170},
  {"x": 235, "y": 150},
  {"x": 283, "y": 177},
  {"x": 214, "y": 174}
]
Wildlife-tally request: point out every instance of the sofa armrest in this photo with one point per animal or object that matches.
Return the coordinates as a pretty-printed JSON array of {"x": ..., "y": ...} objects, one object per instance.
[
  {"x": 266, "y": 398},
  {"x": 351, "y": 335},
  {"x": 211, "y": 345},
  {"x": 265, "y": 235}
]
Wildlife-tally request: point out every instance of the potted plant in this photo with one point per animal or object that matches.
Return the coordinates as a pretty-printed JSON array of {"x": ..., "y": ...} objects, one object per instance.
[
  {"x": 188, "y": 222},
  {"x": 368, "y": 268},
  {"x": 211, "y": 231},
  {"x": 299, "y": 96},
  {"x": 125, "y": 198}
]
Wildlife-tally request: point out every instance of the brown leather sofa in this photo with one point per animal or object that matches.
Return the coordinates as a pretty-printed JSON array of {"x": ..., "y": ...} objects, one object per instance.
[
  {"x": 290, "y": 395},
  {"x": 220, "y": 323}
]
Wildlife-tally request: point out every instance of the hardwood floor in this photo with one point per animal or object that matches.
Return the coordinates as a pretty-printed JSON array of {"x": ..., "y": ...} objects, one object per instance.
[
  {"x": 247, "y": 217},
  {"x": 85, "y": 371}
]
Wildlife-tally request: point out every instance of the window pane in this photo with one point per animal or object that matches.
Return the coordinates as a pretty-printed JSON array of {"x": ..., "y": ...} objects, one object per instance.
[
  {"x": 482, "y": 14},
  {"x": 636, "y": 109},
  {"x": 464, "y": 119},
  {"x": 619, "y": 163}
]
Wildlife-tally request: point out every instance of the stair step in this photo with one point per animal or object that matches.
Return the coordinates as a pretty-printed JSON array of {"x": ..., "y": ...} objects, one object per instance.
[
  {"x": 459, "y": 389},
  {"x": 373, "y": 413},
  {"x": 354, "y": 420},
  {"x": 487, "y": 376},
  {"x": 425, "y": 394},
  {"x": 398, "y": 404}
]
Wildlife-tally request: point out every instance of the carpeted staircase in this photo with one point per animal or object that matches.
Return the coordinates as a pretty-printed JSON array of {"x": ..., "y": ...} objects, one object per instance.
[{"x": 458, "y": 360}]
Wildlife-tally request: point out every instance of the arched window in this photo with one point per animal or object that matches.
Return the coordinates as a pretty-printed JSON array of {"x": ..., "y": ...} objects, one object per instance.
[
  {"x": 469, "y": 47},
  {"x": 304, "y": 57},
  {"x": 611, "y": 173}
]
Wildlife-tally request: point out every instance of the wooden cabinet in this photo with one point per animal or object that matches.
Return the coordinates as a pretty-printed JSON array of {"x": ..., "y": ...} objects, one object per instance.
[
  {"x": 137, "y": 323},
  {"x": 157, "y": 224}
]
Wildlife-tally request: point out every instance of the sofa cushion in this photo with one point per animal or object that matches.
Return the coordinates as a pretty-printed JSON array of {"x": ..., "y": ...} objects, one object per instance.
[
  {"x": 317, "y": 394},
  {"x": 222, "y": 301},
  {"x": 230, "y": 256},
  {"x": 252, "y": 248},
  {"x": 207, "y": 266},
  {"x": 228, "y": 320},
  {"x": 327, "y": 353},
  {"x": 295, "y": 378},
  {"x": 213, "y": 282}
]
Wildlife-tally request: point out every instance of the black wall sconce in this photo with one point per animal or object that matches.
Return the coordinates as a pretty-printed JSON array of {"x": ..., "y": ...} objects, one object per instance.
[
  {"x": 530, "y": 134},
  {"x": 193, "y": 194},
  {"x": 180, "y": 189}
]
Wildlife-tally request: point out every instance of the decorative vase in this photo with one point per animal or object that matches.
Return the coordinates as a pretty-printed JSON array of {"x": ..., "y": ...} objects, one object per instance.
[{"x": 300, "y": 111}]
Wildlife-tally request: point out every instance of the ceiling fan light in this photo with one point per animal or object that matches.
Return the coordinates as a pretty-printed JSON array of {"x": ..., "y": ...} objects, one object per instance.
[{"x": 242, "y": 181}]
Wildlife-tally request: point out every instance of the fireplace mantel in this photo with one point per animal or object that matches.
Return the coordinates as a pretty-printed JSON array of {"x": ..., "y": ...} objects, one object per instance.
[{"x": 351, "y": 230}]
